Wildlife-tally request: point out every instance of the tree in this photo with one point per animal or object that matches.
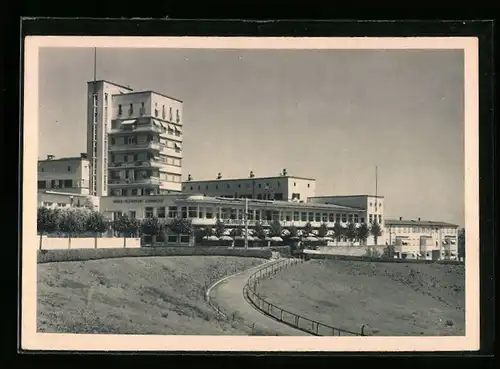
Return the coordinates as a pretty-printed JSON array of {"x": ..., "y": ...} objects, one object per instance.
[
  {"x": 126, "y": 227},
  {"x": 220, "y": 227},
  {"x": 236, "y": 232},
  {"x": 72, "y": 221},
  {"x": 461, "y": 243},
  {"x": 323, "y": 230},
  {"x": 350, "y": 232},
  {"x": 307, "y": 230},
  {"x": 293, "y": 231},
  {"x": 275, "y": 229},
  {"x": 180, "y": 226},
  {"x": 375, "y": 231},
  {"x": 338, "y": 231},
  {"x": 362, "y": 233},
  {"x": 151, "y": 227},
  {"x": 259, "y": 231},
  {"x": 201, "y": 233},
  {"x": 95, "y": 223},
  {"x": 47, "y": 221}
]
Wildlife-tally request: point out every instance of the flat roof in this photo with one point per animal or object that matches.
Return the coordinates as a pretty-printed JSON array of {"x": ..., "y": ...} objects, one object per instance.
[
  {"x": 149, "y": 92},
  {"x": 231, "y": 201},
  {"x": 246, "y": 179},
  {"x": 277, "y": 203},
  {"x": 343, "y": 196},
  {"x": 423, "y": 223},
  {"x": 71, "y": 158},
  {"x": 111, "y": 83}
]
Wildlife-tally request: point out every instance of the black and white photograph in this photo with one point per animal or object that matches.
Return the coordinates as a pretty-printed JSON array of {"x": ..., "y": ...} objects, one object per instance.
[{"x": 189, "y": 193}]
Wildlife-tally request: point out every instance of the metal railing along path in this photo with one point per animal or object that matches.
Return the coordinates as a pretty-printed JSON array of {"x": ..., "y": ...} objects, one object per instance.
[{"x": 285, "y": 316}]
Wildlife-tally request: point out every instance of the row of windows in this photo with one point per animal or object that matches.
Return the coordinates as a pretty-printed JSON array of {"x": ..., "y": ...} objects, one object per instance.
[
  {"x": 248, "y": 185},
  {"x": 142, "y": 111},
  {"x": 401, "y": 229},
  {"x": 372, "y": 218},
  {"x": 138, "y": 192},
  {"x": 62, "y": 183},
  {"x": 69, "y": 168},
  {"x": 253, "y": 214},
  {"x": 140, "y": 157},
  {"x": 375, "y": 204}
]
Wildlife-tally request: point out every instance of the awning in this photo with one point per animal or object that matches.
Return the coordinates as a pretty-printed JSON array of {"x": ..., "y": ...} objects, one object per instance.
[
  {"x": 157, "y": 123},
  {"x": 170, "y": 127},
  {"x": 444, "y": 242},
  {"x": 452, "y": 242},
  {"x": 130, "y": 121},
  {"x": 178, "y": 129},
  {"x": 177, "y": 146}
]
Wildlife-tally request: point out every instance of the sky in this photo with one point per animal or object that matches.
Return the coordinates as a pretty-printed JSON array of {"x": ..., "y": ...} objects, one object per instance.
[{"x": 332, "y": 115}]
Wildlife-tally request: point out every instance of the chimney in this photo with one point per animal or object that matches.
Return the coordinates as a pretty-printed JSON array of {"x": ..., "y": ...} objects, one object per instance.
[
  {"x": 50, "y": 157},
  {"x": 400, "y": 218},
  {"x": 251, "y": 174},
  {"x": 219, "y": 176},
  {"x": 419, "y": 219},
  {"x": 190, "y": 178},
  {"x": 284, "y": 172},
  {"x": 83, "y": 155}
]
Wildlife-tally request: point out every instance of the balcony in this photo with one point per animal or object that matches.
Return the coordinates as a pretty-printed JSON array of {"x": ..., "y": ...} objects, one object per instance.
[
  {"x": 136, "y": 129},
  {"x": 133, "y": 182},
  {"x": 135, "y": 147}
]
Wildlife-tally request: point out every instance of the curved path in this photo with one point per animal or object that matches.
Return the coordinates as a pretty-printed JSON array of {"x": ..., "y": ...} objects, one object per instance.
[{"x": 228, "y": 295}]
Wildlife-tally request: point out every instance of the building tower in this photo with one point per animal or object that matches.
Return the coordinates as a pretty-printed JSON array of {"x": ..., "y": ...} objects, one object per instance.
[
  {"x": 99, "y": 106},
  {"x": 145, "y": 144}
]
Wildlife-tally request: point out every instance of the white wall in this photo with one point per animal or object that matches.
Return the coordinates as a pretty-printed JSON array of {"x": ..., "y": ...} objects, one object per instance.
[{"x": 52, "y": 243}]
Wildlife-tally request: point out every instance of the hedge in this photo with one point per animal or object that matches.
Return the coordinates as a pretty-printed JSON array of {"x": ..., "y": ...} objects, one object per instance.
[
  {"x": 48, "y": 256},
  {"x": 381, "y": 260}
]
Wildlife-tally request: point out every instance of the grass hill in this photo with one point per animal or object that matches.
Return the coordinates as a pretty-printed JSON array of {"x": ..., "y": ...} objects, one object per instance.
[
  {"x": 151, "y": 295},
  {"x": 393, "y": 299}
]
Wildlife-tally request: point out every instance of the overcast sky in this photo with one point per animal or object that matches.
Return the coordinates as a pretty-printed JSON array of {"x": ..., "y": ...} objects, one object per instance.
[{"x": 328, "y": 114}]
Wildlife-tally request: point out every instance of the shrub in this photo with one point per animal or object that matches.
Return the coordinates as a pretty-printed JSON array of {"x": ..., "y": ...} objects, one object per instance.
[{"x": 47, "y": 221}]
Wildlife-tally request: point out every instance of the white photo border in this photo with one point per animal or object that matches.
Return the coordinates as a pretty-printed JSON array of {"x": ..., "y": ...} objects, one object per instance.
[{"x": 32, "y": 340}]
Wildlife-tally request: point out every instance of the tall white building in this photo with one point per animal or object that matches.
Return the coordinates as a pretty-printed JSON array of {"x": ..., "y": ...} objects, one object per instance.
[{"x": 134, "y": 141}]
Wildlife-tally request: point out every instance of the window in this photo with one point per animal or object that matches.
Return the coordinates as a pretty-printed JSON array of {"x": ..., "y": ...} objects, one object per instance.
[
  {"x": 42, "y": 184},
  {"x": 356, "y": 220},
  {"x": 172, "y": 239},
  {"x": 303, "y": 216},
  {"x": 117, "y": 215},
  {"x": 324, "y": 217},
  {"x": 120, "y": 109},
  {"x": 149, "y": 212},
  {"x": 380, "y": 219},
  {"x": 178, "y": 116},
  {"x": 131, "y": 109},
  {"x": 295, "y": 196},
  {"x": 163, "y": 113},
  {"x": 310, "y": 217},
  {"x": 105, "y": 99},
  {"x": 317, "y": 217},
  {"x": 160, "y": 212},
  {"x": 294, "y": 184},
  {"x": 69, "y": 168},
  {"x": 331, "y": 218},
  {"x": 232, "y": 214},
  {"x": 350, "y": 218},
  {"x": 184, "y": 212},
  {"x": 132, "y": 214},
  {"x": 143, "y": 110},
  {"x": 370, "y": 218},
  {"x": 170, "y": 114},
  {"x": 362, "y": 220},
  {"x": 68, "y": 183},
  {"x": 172, "y": 211},
  {"x": 344, "y": 218},
  {"x": 192, "y": 211},
  {"x": 260, "y": 185},
  {"x": 308, "y": 185},
  {"x": 209, "y": 213},
  {"x": 228, "y": 186},
  {"x": 184, "y": 238}
]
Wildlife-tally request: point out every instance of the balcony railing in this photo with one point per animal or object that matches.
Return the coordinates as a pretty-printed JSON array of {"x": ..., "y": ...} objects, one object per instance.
[
  {"x": 132, "y": 147},
  {"x": 131, "y": 182},
  {"x": 141, "y": 128}
]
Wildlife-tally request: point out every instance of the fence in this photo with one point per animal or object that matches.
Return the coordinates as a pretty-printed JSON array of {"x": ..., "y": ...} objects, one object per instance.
[{"x": 287, "y": 317}]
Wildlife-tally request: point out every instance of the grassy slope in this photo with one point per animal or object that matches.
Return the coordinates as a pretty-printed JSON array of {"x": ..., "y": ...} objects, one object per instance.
[
  {"x": 393, "y": 298},
  {"x": 153, "y": 295}
]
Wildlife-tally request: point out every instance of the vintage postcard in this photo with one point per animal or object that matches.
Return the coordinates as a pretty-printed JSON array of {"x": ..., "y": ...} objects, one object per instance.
[{"x": 250, "y": 194}]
